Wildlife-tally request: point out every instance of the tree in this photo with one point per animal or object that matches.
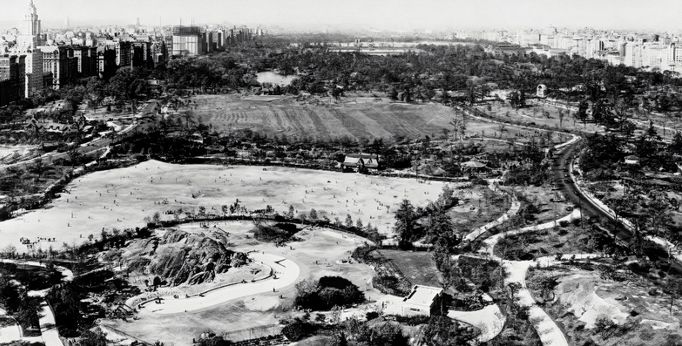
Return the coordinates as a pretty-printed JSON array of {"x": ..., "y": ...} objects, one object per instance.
[
  {"x": 561, "y": 118},
  {"x": 387, "y": 334},
  {"x": 674, "y": 288},
  {"x": 582, "y": 111},
  {"x": 676, "y": 145},
  {"x": 442, "y": 330},
  {"x": 313, "y": 214},
  {"x": 393, "y": 94},
  {"x": 405, "y": 220},
  {"x": 513, "y": 99},
  {"x": 92, "y": 338},
  {"x": 290, "y": 213},
  {"x": 514, "y": 288},
  {"x": 349, "y": 221}
]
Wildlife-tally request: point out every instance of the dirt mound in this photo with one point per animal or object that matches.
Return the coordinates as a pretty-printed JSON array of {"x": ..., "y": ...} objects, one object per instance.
[
  {"x": 179, "y": 257},
  {"x": 578, "y": 293}
]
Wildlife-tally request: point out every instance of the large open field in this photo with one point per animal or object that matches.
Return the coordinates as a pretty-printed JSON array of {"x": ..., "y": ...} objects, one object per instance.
[
  {"x": 286, "y": 116},
  {"x": 122, "y": 198},
  {"x": 351, "y": 117}
]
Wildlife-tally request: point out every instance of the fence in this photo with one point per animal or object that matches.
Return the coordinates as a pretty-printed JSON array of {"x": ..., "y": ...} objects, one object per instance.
[{"x": 260, "y": 332}]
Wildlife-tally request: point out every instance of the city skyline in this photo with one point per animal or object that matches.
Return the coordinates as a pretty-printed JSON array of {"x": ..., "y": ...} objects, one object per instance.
[{"x": 397, "y": 15}]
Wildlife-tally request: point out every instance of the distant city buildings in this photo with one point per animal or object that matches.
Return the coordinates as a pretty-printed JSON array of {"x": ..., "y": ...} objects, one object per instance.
[
  {"x": 32, "y": 59},
  {"x": 651, "y": 52}
]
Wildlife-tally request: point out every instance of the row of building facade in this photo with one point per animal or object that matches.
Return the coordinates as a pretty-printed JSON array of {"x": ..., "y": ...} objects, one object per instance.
[
  {"x": 33, "y": 61},
  {"x": 649, "y": 51}
]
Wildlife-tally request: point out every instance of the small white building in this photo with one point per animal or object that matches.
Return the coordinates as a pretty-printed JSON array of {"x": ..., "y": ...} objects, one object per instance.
[
  {"x": 632, "y": 160},
  {"x": 419, "y": 301},
  {"x": 541, "y": 91}
]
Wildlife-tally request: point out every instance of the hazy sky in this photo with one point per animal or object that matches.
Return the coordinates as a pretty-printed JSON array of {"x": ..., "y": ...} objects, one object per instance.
[{"x": 380, "y": 14}]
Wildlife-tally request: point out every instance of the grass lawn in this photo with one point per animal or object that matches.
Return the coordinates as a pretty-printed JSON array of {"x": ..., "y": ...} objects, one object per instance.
[
  {"x": 352, "y": 117},
  {"x": 418, "y": 267},
  {"x": 286, "y": 116},
  {"x": 545, "y": 115}
]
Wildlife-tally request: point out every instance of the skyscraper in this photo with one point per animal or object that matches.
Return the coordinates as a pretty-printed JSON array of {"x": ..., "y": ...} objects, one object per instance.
[
  {"x": 27, "y": 43},
  {"x": 31, "y": 30}
]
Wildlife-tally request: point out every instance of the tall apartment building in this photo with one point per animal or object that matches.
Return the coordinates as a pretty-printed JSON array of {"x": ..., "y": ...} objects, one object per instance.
[
  {"x": 188, "y": 41},
  {"x": 159, "y": 52},
  {"x": 106, "y": 62},
  {"x": 633, "y": 54},
  {"x": 215, "y": 40},
  {"x": 86, "y": 60},
  {"x": 123, "y": 53},
  {"x": 656, "y": 55},
  {"x": 60, "y": 61},
  {"x": 142, "y": 54},
  {"x": 34, "y": 81},
  {"x": 12, "y": 78}
]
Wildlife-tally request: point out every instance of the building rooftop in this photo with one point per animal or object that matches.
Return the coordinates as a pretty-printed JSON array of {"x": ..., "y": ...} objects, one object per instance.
[{"x": 422, "y": 295}]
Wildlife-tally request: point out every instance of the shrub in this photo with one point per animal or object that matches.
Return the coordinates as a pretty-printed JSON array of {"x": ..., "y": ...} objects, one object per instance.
[
  {"x": 298, "y": 330},
  {"x": 279, "y": 232},
  {"x": 330, "y": 291}
]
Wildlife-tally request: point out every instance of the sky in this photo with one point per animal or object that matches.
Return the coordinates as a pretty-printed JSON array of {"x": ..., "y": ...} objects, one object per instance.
[{"x": 394, "y": 15}]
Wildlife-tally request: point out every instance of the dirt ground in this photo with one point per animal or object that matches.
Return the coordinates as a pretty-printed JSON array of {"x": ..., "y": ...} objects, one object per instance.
[
  {"x": 123, "y": 198},
  {"x": 583, "y": 296},
  {"x": 320, "y": 252}
]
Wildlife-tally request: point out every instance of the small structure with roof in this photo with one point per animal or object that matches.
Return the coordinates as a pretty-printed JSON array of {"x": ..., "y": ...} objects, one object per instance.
[
  {"x": 474, "y": 166},
  {"x": 541, "y": 91},
  {"x": 419, "y": 301},
  {"x": 632, "y": 160},
  {"x": 360, "y": 162}
]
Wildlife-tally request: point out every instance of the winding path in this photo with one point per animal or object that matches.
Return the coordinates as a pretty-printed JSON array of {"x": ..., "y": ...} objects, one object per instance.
[
  {"x": 287, "y": 272},
  {"x": 513, "y": 210},
  {"x": 548, "y": 331},
  {"x": 48, "y": 326},
  {"x": 489, "y": 320}
]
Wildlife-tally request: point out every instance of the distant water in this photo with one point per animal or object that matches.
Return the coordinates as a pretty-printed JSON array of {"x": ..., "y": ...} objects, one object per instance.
[{"x": 274, "y": 78}]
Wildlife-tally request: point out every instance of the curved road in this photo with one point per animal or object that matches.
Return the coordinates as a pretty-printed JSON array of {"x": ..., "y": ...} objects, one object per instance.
[{"x": 561, "y": 166}]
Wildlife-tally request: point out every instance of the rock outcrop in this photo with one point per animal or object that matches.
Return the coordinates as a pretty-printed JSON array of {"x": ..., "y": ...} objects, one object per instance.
[{"x": 179, "y": 257}]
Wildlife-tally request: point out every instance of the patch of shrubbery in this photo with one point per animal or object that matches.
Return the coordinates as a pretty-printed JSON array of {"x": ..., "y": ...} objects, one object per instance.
[
  {"x": 278, "y": 233},
  {"x": 328, "y": 292},
  {"x": 299, "y": 329},
  {"x": 31, "y": 277},
  {"x": 392, "y": 285}
]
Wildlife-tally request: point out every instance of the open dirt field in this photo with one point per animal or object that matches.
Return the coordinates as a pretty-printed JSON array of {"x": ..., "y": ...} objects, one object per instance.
[
  {"x": 122, "y": 198},
  {"x": 320, "y": 252}
]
